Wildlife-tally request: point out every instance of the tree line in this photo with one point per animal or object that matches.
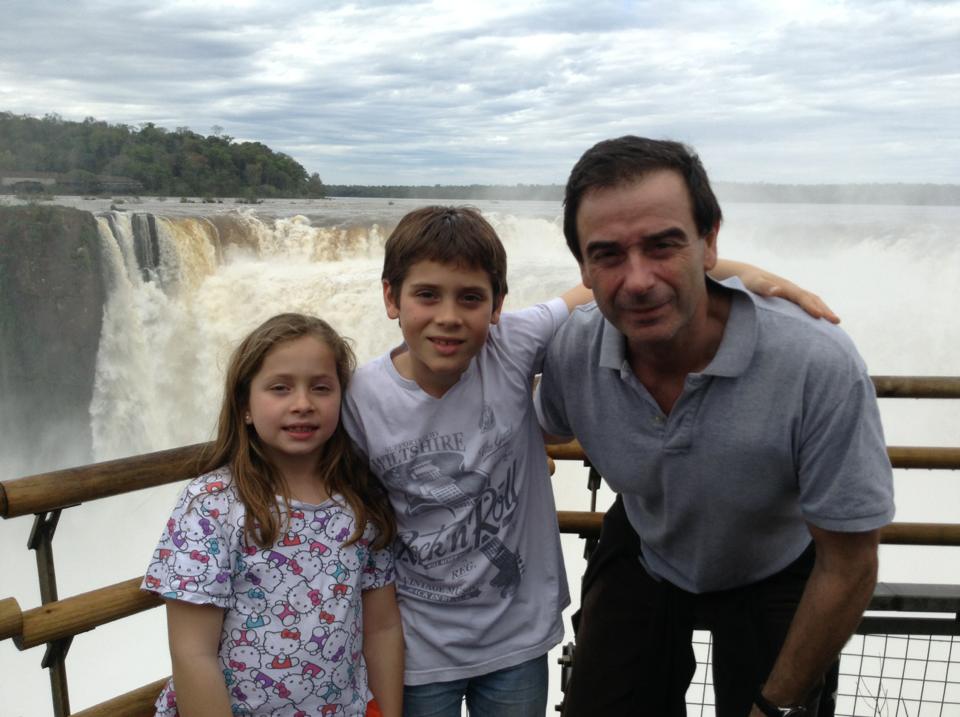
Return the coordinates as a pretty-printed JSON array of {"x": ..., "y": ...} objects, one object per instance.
[
  {"x": 894, "y": 194},
  {"x": 170, "y": 163},
  {"x": 185, "y": 163}
]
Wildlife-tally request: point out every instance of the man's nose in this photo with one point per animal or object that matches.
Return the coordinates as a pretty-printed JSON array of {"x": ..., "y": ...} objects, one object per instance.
[{"x": 640, "y": 276}]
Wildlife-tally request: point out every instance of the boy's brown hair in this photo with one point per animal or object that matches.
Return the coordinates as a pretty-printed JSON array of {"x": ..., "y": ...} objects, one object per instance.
[{"x": 457, "y": 236}]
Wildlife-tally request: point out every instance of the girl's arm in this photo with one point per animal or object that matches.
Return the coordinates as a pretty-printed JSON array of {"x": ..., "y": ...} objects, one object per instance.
[
  {"x": 383, "y": 648},
  {"x": 767, "y": 283},
  {"x": 194, "y": 633}
]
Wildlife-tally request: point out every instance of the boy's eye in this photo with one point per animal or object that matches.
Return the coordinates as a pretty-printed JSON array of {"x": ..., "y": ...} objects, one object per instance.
[
  {"x": 425, "y": 294},
  {"x": 472, "y": 298},
  {"x": 322, "y": 388}
]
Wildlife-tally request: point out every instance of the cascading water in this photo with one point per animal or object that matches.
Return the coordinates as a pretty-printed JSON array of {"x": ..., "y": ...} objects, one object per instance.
[{"x": 185, "y": 285}]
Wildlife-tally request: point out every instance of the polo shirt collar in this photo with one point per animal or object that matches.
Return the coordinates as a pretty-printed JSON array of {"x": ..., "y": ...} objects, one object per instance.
[{"x": 736, "y": 347}]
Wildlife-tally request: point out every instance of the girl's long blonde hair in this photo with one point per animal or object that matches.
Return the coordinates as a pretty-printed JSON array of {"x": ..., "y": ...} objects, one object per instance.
[{"x": 238, "y": 446}]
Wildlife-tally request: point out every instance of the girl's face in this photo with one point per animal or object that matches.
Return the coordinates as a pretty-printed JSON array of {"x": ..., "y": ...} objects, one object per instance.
[{"x": 295, "y": 402}]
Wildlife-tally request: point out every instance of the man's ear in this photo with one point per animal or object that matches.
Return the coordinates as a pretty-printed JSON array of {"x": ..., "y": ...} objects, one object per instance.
[
  {"x": 391, "y": 304},
  {"x": 495, "y": 316},
  {"x": 584, "y": 275},
  {"x": 710, "y": 248}
]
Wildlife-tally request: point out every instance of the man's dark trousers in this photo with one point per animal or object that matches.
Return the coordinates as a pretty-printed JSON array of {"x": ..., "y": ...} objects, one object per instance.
[{"x": 634, "y": 655}]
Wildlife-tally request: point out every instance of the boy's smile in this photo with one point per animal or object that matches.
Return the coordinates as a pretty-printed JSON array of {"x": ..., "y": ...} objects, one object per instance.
[{"x": 445, "y": 312}]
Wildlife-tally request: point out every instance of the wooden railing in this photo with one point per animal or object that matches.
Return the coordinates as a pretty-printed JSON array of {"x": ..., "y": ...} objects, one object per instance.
[{"x": 57, "y": 621}]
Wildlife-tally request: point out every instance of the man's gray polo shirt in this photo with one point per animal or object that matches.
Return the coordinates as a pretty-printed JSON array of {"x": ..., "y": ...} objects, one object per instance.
[{"x": 781, "y": 428}]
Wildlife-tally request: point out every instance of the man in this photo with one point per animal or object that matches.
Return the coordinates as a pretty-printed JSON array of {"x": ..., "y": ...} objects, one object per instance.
[{"x": 743, "y": 440}]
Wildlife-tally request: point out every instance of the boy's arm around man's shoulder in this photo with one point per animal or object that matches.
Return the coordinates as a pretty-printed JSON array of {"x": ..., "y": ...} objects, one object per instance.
[
  {"x": 757, "y": 280},
  {"x": 546, "y": 393},
  {"x": 576, "y": 296}
]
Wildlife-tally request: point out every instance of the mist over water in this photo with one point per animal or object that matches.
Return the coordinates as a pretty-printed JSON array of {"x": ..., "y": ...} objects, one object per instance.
[{"x": 176, "y": 309}]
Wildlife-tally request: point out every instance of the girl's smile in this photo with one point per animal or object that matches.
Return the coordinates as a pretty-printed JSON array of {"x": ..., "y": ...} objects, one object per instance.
[{"x": 295, "y": 403}]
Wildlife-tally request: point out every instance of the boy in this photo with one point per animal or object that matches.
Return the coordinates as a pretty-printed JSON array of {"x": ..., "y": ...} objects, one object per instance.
[{"x": 446, "y": 421}]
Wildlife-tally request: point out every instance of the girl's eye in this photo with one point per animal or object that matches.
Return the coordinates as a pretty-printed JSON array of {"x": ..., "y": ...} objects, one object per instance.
[{"x": 278, "y": 388}]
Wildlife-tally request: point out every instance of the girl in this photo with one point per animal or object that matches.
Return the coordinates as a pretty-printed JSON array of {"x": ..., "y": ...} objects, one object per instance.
[{"x": 275, "y": 564}]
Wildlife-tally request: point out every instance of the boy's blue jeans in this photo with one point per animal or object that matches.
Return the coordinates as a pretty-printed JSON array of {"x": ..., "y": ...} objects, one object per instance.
[{"x": 519, "y": 691}]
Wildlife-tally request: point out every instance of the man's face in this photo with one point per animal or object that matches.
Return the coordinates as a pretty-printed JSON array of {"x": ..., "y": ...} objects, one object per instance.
[{"x": 644, "y": 259}]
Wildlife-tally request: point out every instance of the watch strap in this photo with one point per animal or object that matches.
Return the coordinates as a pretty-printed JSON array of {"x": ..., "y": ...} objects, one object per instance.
[{"x": 772, "y": 710}]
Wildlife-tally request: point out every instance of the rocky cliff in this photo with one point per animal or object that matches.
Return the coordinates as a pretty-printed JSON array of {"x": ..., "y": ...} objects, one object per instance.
[{"x": 52, "y": 293}]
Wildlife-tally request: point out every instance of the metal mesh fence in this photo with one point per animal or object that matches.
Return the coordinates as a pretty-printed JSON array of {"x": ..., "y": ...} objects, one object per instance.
[{"x": 880, "y": 676}]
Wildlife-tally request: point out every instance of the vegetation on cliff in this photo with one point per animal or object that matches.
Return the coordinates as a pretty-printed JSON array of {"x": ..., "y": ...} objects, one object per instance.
[
  {"x": 177, "y": 163},
  {"x": 93, "y": 156}
]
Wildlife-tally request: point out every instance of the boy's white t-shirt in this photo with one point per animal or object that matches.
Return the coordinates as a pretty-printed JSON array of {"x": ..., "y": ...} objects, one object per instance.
[{"x": 480, "y": 575}]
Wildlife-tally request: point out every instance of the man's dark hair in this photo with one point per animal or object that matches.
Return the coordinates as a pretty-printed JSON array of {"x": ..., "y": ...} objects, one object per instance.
[{"x": 613, "y": 162}]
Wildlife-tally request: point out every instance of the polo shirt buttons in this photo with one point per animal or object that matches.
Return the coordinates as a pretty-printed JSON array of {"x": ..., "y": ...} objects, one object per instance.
[{"x": 658, "y": 420}]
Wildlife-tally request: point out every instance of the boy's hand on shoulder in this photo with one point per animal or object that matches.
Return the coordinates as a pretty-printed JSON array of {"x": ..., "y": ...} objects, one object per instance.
[
  {"x": 766, "y": 283},
  {"x": 806, "y": 300}
]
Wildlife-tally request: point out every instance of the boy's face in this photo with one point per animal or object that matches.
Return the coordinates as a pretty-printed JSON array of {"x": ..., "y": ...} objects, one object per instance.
[{"x": 445, "y": 312}]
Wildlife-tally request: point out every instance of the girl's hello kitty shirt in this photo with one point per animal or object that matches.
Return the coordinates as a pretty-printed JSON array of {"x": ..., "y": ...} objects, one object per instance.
[{"x": 292, "y": 632}]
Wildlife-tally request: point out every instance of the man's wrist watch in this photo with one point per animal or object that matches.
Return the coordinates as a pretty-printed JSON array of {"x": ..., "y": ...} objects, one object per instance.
[{"x": 772, "y": 710}]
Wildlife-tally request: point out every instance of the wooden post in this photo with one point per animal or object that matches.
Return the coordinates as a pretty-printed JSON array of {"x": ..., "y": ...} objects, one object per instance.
[{"x": 54, "y": 658}]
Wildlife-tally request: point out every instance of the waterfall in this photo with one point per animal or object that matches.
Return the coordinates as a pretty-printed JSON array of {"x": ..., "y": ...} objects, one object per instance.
[{"x": 186, "y": 290}]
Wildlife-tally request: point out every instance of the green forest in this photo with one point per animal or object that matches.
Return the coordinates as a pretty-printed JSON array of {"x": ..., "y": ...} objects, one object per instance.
[
  {"x": 94, "y": 157},
  {"x": 87, "y": 155}
]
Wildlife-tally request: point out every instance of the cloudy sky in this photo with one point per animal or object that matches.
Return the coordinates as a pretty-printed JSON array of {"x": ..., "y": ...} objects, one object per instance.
[{"x": 369, "y": 92}]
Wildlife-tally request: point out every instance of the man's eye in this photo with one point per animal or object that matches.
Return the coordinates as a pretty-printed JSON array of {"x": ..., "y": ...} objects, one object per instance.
[{"x": 604, "y": 256}]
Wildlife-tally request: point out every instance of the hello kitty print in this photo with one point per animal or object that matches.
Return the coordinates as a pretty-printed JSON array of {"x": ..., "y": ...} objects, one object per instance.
[{"x": 292, "y": 631}]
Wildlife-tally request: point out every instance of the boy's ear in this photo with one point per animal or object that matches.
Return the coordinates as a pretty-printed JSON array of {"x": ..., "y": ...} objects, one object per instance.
[
  {"x": 495, "y": 316},
  {"x": 392, "y": 306}
]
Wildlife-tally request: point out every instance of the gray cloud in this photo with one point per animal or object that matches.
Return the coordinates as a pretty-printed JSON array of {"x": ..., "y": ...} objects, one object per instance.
[{"x": 384, "y": 92}]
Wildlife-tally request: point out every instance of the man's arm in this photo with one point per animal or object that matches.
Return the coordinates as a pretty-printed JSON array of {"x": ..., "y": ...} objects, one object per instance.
[
  {"x": 837, "y": 592},
  {"x": 767, "y": 283}
]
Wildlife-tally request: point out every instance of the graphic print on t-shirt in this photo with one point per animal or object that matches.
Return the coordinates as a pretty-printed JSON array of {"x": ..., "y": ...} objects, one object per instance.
[
  {"x": 454, "y": 539},
  {"x": 428, "y": 483}
]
